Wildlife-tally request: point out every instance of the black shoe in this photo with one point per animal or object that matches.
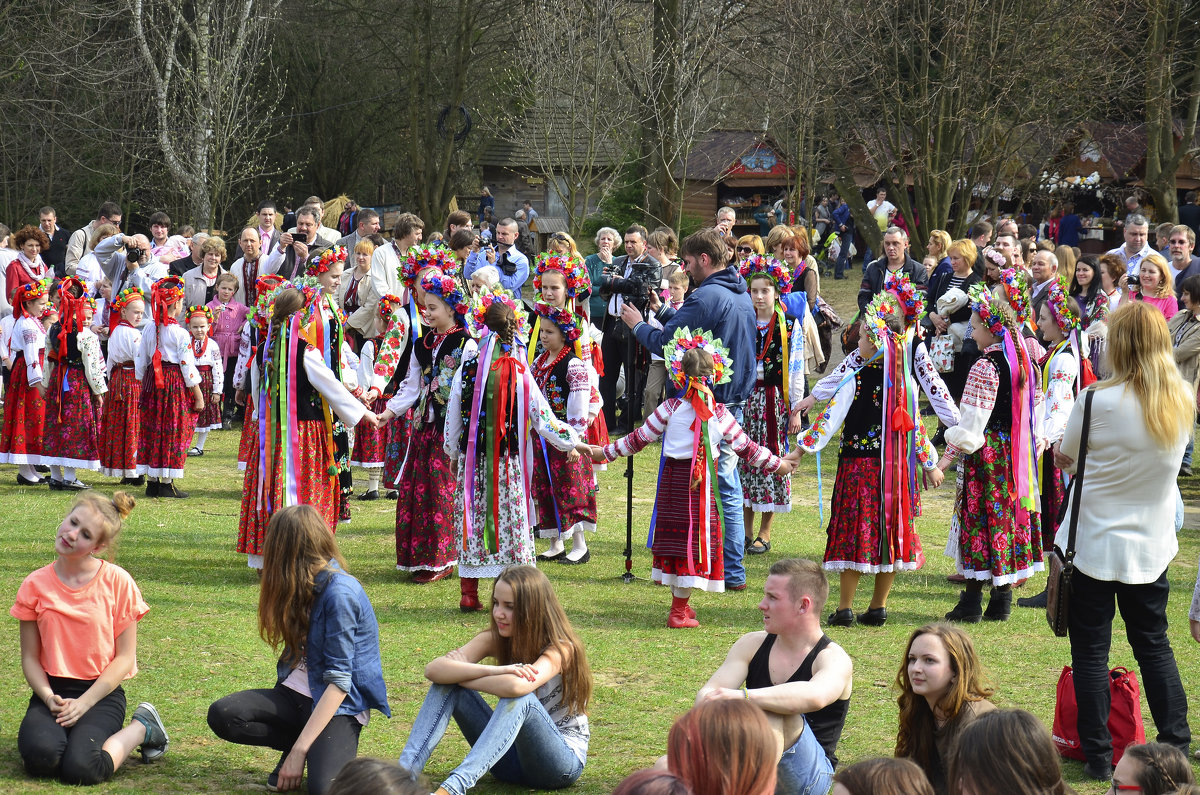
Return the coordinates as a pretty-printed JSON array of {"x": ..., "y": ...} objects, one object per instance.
[
  {"x": 841, "y": 618},
  {"x": 152, "y": 488},
  {"x": 557, "y": 556},
  {"x": 140, "y": 480},
  {"x": 24, "y": 481},
  {"x": 582, "y": 559},
  {"x": 1097, "y": 770},
  {"x": 169, "y": 490},
  {"x": 758, "y": 547},
  {"x": 939, "y": 438},
  {"x": 45, "y": 470},
  {"x": 75, "y": 485},
  {"x": 874, "y": 617},
  {"x": 969, "y": 609},
  {"x": 57, "y": 485},
  {"x": 373, "y": 494},
  {"x": 1185, "y": 471},
  {"x": 392, "y": 494},
  {"x": 1033, "y": 601},
  {"x": 999, "y": 605}
]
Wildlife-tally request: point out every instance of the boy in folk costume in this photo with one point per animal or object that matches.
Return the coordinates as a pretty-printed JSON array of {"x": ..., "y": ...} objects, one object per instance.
[
  {"x": 383, "y": 363},
  {"x": 562, "y": 483},
  {"x": 120, "y": 419},
  {"x": 687, "y": 524},
  {"x": 210, "y": 365},
  {"x": 876, "y": 496},
  {"x": 24, "y": 409}
]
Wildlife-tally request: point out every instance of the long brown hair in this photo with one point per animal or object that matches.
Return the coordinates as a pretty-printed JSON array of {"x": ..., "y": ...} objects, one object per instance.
[
  {"x": 298, "y": 546},
  {"x": 724, "y": 747},
  {"x": 884, "y": 776},
  {"x": 1006, "y": 752},
  {"x": 539, "y": 623},
  {"x": 917, "y": 721}
]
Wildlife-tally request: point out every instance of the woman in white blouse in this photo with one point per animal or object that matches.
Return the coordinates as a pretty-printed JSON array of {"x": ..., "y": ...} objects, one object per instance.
[{"x": 1141, "y": 416}]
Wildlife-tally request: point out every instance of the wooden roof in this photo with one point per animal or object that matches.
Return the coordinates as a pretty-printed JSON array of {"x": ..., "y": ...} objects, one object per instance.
[
  {"x": 740, "y": 154},
  {"x": 560, "y": 145}
]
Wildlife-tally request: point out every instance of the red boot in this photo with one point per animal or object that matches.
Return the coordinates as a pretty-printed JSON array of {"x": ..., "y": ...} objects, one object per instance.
[
  {"x": 469, "y": 588},
  {"x": 678, "y": 618}
]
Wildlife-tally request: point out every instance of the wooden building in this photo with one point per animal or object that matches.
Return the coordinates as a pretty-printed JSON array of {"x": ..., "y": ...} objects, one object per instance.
[{"x": 739, "y": 168}]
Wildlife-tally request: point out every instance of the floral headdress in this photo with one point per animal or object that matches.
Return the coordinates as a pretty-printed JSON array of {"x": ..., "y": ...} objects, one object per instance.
[
  {"x": 875, "y": 317},
  {"x": 268, "y": 292},
  {"x": 572, "y": 268},
  {"x": 422, "y": 257},
  {"x": 389, "y": 304},
  {"x": 29, "y": 291},
  {"x": 990, "y": 309},
  {"x": 763, "y": 265},
  {"x": 1016, "y": 292},
  {"x": 121, "y": 300},
  {"x": 199, "y": 309},
  {"x": 1062, "y": 308},
  {"x": 165, "y": 292},
  {"x": 997, "y": 258},
  {"x": 326, "y": 260},
  {"x": 447, "y": 289},
  {"x": 498, "y": 295},
  {"x": 685, "y": 340},
  {"x": 563, "y": 318},
  {"x": 911, "y": 300}
]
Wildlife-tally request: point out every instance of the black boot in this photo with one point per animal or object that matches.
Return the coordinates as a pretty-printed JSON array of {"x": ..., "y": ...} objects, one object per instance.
[
  {"x": 999, "y": 605},
  {"x": 969, "y": 608},
  {"x": 152, "y": 487},
  {"x": 1033, "y": 601}
]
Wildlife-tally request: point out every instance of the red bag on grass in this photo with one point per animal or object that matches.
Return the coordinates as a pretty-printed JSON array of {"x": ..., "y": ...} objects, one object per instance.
[{"x": 1124, "y": 714}]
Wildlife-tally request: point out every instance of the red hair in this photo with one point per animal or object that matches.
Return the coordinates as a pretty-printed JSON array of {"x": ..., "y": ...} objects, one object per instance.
[{"x": 724, "y": 747}]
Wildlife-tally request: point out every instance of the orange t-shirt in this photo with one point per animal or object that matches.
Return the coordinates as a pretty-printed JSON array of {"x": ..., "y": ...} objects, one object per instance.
[{"x": 79, "y": 627}]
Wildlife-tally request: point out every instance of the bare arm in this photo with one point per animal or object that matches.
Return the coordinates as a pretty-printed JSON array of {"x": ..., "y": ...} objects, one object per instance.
[{"x": 732, "y": 673}]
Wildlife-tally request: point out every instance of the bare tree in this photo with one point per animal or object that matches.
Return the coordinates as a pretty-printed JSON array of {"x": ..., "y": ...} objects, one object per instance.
[
  {"x": 213, "y": 95},
  {"x": 1171, "y": 59}
]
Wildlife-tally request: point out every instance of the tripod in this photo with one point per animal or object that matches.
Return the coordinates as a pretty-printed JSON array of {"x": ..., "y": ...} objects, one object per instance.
[{"x": 634, "y": 386}]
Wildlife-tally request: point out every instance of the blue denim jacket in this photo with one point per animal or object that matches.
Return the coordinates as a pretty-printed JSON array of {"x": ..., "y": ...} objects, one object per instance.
[{"x": 343, "y": 644}]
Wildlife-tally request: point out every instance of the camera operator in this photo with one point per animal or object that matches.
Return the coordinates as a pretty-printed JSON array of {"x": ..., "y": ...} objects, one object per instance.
[
  {"x": 297, "y": 248},
  {"x": 127, "y": 262},
  {"x": 512, "y": 264},
  {"x": 629, "y": 281}
]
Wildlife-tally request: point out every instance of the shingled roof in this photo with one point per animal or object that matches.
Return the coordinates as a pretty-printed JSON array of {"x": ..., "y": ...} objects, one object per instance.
[
  {"x": 565, "y": 145},
  {"x": 717, "y": 152}
]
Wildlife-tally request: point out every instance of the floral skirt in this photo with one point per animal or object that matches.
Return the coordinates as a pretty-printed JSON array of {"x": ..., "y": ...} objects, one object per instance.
[
  {"x": 566, "y": 498},
  {"x": 249, "y": 437},
  {"x": 24, "y": 418},
  {"x": 209, "y": 418},
  {"x": 425, "y": 509},
  {"x": 678, "y": 529},
  {"x": 765, "y": 421},
  {"x": 856, "y": 540},
  {"x": 71, "y": 435},
  {"x": 514, "y": 540},
  {"x": 1054, "y": 494},
  {"x": 168, "y": 422},
  {"x": 996, "y": 537},
  {"x": 119, "y": 423},
  {"x": 369, "y": 442},
  {"x": 393, "y": 450},
  {"x": 314, "y": 485}
]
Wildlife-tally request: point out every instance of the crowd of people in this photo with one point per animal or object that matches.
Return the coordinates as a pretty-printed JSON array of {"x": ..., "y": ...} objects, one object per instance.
[{"x": 487, "y": 417}]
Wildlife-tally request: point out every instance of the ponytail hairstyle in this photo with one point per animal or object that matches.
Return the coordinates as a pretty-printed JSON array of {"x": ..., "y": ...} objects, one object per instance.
[{"x": 112, "y": 513}]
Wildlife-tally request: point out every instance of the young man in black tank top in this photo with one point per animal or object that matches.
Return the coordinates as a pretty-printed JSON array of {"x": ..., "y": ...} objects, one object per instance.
[{"x": 795, "y": 674}]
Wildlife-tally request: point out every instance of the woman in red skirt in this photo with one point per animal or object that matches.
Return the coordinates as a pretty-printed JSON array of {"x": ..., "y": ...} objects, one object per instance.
[
  {"x": 246, "y": 370},
  {"x": 167, "y": 369},
  {"x": 74, "y": 374},
  {"x": 295, "y": 400},
  {"x": 685, "y": 532},
  {"x": 120, "y": 418},
  {"x": 24, "y": 411}
]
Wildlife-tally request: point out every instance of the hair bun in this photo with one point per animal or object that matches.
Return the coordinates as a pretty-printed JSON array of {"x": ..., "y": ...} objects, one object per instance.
[{"x": 123, "y": 501}]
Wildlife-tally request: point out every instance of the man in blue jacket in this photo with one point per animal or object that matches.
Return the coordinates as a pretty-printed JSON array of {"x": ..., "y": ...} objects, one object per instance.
[
  {"x": 721, "y": 305},
  {"x": 843, "y": 223}
]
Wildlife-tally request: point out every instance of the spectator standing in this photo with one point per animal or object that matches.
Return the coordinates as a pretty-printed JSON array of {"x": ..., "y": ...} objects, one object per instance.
[
  {"x": 506, "y": 257},
  {"x": 843, "y": 222},
  {"x": 55, "y": 256},
  {"x": 895, "y": 263},
  {"x": 268, "y": 234},
  {"x": 882, "y": 211},
  {"x": 726, "y": 218},
  {"x": 1183, "y": 263},
  {"x": 1185, "y": 336},
  {"x": 246, "y": 268},
  {"x": 1069, "y": 226},
  {"x": 631, "y": 282},
  {"x": 366, "y": 224},
  {"x": 77, "y": 246},
  {"x": 200, "y": 283},
  {"x": 607, "y": 240},
  {"x": 1189, "y": 212},
  {"x": 822, "y": 218},
  {"x": 487, "y": 204},
  {"x": 1136, "y": 247}
]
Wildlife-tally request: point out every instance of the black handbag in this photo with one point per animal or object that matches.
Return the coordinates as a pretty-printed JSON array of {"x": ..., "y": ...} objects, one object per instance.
[{"x": 1061, "y": 564}]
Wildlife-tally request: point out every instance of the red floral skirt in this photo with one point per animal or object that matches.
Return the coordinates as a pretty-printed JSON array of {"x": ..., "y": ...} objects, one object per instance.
[
  {"x": 369, "y": 442},
  {"x": 24, "y": 418},
  {"x": 249, "y": 437},
  {"x": 314, "y": 485},
  {"x": 425, "y": 509},
  {"x": 856, "y": 540},
  {"x": 71, "y": 437},
  {"x": 209, "y": 418},
  {"x": 678, "y": 525},
  {"x": 167, "y": 423},
  {"x": 566, "y": 499},
  {"x": 393, "y": 451},
  {"x": 119, "y": 424}
]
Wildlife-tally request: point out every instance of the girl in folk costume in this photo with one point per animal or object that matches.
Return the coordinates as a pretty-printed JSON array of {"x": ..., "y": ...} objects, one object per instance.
[
  {"x": 380, "y": 371},
  {"x": 1061, "y": 379},
  {"x": 772, "y": 411},
  {"x": 424, "y": 534},
  {"x": 296, "y": 394},
  {"x": 229, "y": 318},
  {"x": 209, "y": 364},
  {"x": 74, "y": 373},
  {"x": 120, "y": 419},
  {"x": 876, "y": 496},
  {"x": 250, "y": 356},
  {"x": 166, "y": 367},
  {"x": 494, "y": 405},
  {"x": 997, "y": 439},
  {"x": 562, "y": 488},
  {"x": 24, "y": 410},
  {"x": 687, "y": 523}
]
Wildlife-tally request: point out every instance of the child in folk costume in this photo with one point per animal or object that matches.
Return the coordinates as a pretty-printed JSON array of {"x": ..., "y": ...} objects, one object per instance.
[
  {"x": 772, "y": 411},
  {"x": 120, "y": 418},
  {"x": 562, "y": 488},
  {"x": 378, "y": 373},
  {"x": 1062, "y": 377},
  {"x": 229, "y": 318},
  {"x": 494, "y": 405},
  {"x": 296, "y": 394},
  {"x": 424, "y": 534},
  {"x": 211, "y": 367},
  {"x": 166, "y": 367},
  {"x": 876, "y": 496},
  {"x": 998, "y": 441},
  {"x": 687, "y": 524},
  {"x": 74, "y": 373},
  {"x": 24, "y": 409},
  {"x": 250, "y": 357}
]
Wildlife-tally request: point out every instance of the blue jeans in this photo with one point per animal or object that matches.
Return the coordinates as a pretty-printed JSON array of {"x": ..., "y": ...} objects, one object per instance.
[
  {"x": 729, "y": 486},
  {"x": 804, "y": 769},
  {"x": 843, "y": 260},
  {"x": 518, "y": 742}
]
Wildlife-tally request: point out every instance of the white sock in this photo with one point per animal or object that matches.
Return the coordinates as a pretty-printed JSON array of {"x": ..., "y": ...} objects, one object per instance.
[
  {"x": 373, "y": 478},
  {"x": 165, "y": 481},
  {"x": 556, "y": 546},
  {"x": 680, "y": 593},
  {"x": 201, "y": 436},
  {"x": 56, "y": 472},
  {"x": 578, "y": 545},
  {"x": 28, "y": 472},
  {"x": 68, "y": 474}
]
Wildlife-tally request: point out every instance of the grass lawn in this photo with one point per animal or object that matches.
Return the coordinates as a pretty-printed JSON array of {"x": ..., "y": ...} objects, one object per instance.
[{"x": 199, "y": 641}]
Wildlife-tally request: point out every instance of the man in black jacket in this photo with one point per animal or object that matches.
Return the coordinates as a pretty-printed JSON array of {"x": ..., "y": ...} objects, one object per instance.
[
  {"x": 56, "y": 255},
  {"x": 290, "y": 257},
  {"x": 630, "y": 278},
  {"x": 894, "y": 262}
]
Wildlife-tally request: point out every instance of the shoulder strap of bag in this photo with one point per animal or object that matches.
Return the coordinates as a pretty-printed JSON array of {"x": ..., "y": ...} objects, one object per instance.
[{"x": 1077, "y": 481}]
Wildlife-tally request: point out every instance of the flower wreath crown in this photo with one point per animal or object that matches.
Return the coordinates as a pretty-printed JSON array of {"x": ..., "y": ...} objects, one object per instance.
[
  {"x": 1062, "y": 307},
  {"x": 325, "y": 261},
  {"x": 574, "y": 273},
  {"x": 423, "y": 257},
  {"x": 685, "y": 340},
  {"x": 125, "y": 298},
  {"x": 874, "y": 316},
  {"x": 498, "y": 296},
  {"x": 198, "y": 309},
  {"x": 562, "y": 318},
  {"x": 989, "y": 309},
  {"x": 997, "y": 257},
  {"x": 762, "y": 265},
  {"x": 911, "y": 300},
  {"x": 1016, "y": 291},
  {"x": 268, "y": 291},
  {"x": 447, "y": 289}
]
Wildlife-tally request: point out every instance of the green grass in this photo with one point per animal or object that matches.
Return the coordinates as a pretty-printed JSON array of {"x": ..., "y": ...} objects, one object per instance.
[{"x": 199, "y": 641}]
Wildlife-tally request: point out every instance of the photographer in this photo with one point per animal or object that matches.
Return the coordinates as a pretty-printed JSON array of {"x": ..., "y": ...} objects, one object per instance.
[
  {"x": 512, "y": 264},
  {"x": 127, "y": 262},
  {"x": 630, "y": 281},
  {"x": 296, "y": 248}
]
